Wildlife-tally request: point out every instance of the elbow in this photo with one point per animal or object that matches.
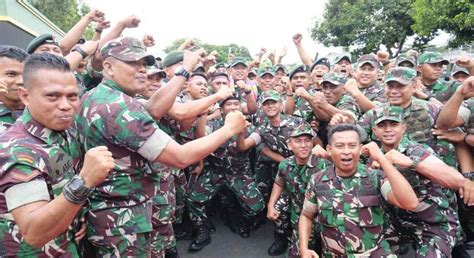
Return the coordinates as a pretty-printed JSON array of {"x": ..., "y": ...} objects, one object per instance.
[
  {"x": 35, "y": 241},
  {"x": 411, "y": 205}
]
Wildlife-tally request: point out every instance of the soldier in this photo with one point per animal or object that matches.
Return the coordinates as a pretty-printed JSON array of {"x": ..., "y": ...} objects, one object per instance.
[
  {"x": 342, "y": 64},
  {"x": 419, "y": 115},
  {"x": 119, "y": 219},
  {"x": 431, "y": 67},
  {"x": 365, "y": 89},
  {"x": 266, "y": 79},
  {"x": 238, "y": 71},
  {"x": 230, "y": 169},
  {"x": 319, "y": 68},
  {"x": 459, "y": 73},
  {"x": 434, "y": 223},
  {"x": 293, "y": 176},
  {"x": 273, "y": 136},
  {"x": 11, "y": 68},
  {"x": 42, "y": 184},
  {"x": 407, "y": 60},
  {"x": 347, "y": 200}
]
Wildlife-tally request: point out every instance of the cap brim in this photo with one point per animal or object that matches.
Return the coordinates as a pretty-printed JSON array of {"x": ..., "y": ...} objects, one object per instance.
[
  {"x": 266, "y": 99},
  {"x": 262, "y": 74},
  {"x": 406, "y": 60},
  {"x": 442, "y": 61},
  {"x": 404, "y": 82},
  {"x": 375, "y": 65},
  {"x": 386, "y": 118},
  {"x": 149, "y": 59},
  {"x": 304, "y": 133},
  {"x": 234, "y": 64},
  {"x": 332, "y": 82},
  {"x": 155, "y": 71}
]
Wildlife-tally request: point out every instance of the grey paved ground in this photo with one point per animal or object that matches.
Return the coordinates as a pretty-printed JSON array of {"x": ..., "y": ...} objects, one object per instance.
[{"x": 227, "y": 244}]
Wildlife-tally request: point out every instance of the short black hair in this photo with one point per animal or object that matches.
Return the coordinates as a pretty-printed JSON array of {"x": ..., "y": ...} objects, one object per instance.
[
  {"x": 199, "y": 74},
  {"x": 14, "y": 53},
  {"x": 46, "y": 61},
  {"x": 219, "y": 75},
  {"x": 343, "y": 128}
]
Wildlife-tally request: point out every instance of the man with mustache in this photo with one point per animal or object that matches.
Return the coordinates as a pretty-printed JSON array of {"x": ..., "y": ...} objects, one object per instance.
[
  {"x": 43, "y": 186},
  {"x": 434, "y": 224},
  {"x": 293, "y": 176},
  {"x": 119, "y": 218},
  {"x": 11, "y": 69},
  {"x": 348, "y": 199}
]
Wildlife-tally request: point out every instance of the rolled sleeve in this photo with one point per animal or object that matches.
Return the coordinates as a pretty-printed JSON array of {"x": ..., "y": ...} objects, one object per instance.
[
  {"x": 26, "y": 193},
  {"x": 154, "y": 145}
]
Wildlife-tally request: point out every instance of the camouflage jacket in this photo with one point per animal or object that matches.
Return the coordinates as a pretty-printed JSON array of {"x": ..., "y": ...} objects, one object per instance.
[
  {"x": 349, "y": 211},
  {"x": 441, "y": 90},
  {"x": 294, "y": 178},
  {"x": 30, "y": 152},
  {"x": 7, "y": 117},
  {"x": 374, "y": 92},
  {"x": 302, "y": 107},
  {"x": 470, "y": 122},
  {"x": 420, "y": 117},
  {"x": 347, "y": 103}
]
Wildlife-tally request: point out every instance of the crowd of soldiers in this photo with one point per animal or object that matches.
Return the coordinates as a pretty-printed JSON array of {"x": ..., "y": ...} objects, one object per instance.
[{"x": 108, "y": 151}]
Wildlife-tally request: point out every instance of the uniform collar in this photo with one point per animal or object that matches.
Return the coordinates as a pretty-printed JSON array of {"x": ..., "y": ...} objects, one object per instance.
[
  {"x": 113, "y": 85},
  {"x": 39, "y": 131},
  {"x": 403, "y": 145},
  {"x": 308, "y": 164}
]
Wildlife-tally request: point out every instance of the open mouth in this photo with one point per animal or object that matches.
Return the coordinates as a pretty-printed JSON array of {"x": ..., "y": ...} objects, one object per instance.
[
  {"x": 346, "y": 161},
  {"x": 343, "y": 70}
]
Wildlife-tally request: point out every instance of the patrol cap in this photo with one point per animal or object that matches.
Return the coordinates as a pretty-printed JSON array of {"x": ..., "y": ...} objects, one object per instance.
[
  {"x": 432, "y": 58},
  {"x": 127, "y": 49},
  {"x": 199, "y": 68},
  {"x": 281, "y": 67},
  {"x": 403, "y": 75},
  {"x": 321, "y": 61},
  {"x": 303, "y": 129},
  {"x": 173, "y": 58},
  {"x": 406, "y": 58},
  {"x": 231, "y": 97},
  {"x": 339, "y": 57},
  {"x": 253, "y": 71},
  {"x": 266, "y": 70},
  {"x": 458, "y": 69},
  {"x": 392, "y": 113},
  {"x": 298, "y": 69},
  {"x": 41, "y": 40},
  {"x": 154, "y": 69},
  {"x": 334, "y": 78},
  {"x": 368, "y": 59},
  {"x": 219, "y": 65},
  {"x": 270, "y": 95},
  {"x": 237, "y": 60}
]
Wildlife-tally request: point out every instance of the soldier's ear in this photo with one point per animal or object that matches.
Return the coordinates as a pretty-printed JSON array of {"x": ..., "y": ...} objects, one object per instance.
[{"x": 24, "y": 95}]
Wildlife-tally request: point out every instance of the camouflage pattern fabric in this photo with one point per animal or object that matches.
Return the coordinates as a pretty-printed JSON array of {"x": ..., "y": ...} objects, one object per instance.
[
  {"x": 29, "y": 151},
  {"x": 349, "y": 211},
  {"x": 347, "y": 103},
  {"x": 420, "y": 118},
  {"x": 374, "y": 93},
  {"x": 441, "y": 90},
  {"x": 7, "y": 117},
  {"x": 302, "y": 107}
]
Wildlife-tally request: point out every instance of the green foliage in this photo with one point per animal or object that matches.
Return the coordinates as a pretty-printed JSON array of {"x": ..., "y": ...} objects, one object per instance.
[
  {"x": 453, "y": 16},
  {"x": 223, "y": 50},
  {"x": 365, "y": 25},
  {"x": 64, "y": 13}
]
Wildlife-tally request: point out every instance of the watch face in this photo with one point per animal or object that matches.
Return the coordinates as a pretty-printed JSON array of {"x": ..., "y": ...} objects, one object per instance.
[{"x": 76, "y": 184}]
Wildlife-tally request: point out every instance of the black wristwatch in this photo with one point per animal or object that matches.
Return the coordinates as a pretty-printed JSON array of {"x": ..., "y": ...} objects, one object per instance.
[
  {"x": 181, "y": 72},
  {"x": 80, "y": 51},
  {"x": 76, "y": 191},
  {"x": 469, "y": 175},
  {"x": 415, "y": 163}
]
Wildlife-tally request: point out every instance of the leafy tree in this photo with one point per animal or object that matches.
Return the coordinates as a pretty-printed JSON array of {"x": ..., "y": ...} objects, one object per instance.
[
  {"x": 365, "y": 25},
  {"x": 453, "y": 16},
  {"x": 223, "y": 50},
  {"x": 64, "y": 13}
]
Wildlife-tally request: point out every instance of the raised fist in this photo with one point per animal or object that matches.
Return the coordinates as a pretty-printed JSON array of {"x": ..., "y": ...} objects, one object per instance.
[
  {"x": 98, "y": 162},
  {"x": 297, "y": 38}
]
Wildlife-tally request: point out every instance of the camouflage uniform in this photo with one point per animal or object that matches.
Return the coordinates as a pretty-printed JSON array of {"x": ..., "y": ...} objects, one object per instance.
[
  {"x": 119, "y": 219},
  {"x": 33, "y": 154},
  {"x": 349, "y": 212},
  {"x": 8, "y": 117},
  {"x": 294, "y": 179},
  {"x": 441, "y": 90},
  {"x": 375, "y": 93},
  {"x": 226, "y": 168}
]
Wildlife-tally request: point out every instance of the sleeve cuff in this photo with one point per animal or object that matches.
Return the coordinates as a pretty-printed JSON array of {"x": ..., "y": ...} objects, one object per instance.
[
  {"x": 153, "y": 147},
  {"x": 25, "y": 193},
  {"x": 256, "y": 138},
  {"x": 385, "y": 189}
]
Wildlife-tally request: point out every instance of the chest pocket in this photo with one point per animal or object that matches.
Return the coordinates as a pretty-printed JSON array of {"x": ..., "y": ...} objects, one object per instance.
[
  {"x": 61, "y": 170},
  {"x": 420, "y": 123}
]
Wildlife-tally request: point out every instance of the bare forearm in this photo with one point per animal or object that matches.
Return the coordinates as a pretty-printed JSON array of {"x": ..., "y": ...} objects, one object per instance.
[
  {"x": 193, "y": 108},
  {"x": 303, "y": 55},
  {"x": 401, "y": 189},
  {"x": 272, "y": 155},
  {"x": 447, "y": 116},
  {"x": 364, "y": 103},
  {"x": 201, "y": 126},
  {"x": 73, "y": 35},
  {"x": 163, "y": 99},
  {"x": 49, "y": 221},
  {"x": 251, "y": 103},
  {"x": 440, "y": 173},
  {"x": 289, "y": 105},
  {"x": 74, "y": 59},
  {"x": 464, "y": 156},
  {"x": 114, "y": 32},
  {"x": 276, "y": 192},
  {"x": 96, "y": 36},
  {"x": 304, "y": 229}
]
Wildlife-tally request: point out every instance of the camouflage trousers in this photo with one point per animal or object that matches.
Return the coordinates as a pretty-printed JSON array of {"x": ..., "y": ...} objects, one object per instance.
[
  {"x": 211, "y": 182},
  {"x": 12, "y": 244},
  {"x": 265, "y": 173},
  {"x": 434, "y": 230},
  {"x": 121, "y": 232},
  {"x": 181, "y": 192},
  {"x": 314, "y": 241},
  {"x": 283, "y": 223}
]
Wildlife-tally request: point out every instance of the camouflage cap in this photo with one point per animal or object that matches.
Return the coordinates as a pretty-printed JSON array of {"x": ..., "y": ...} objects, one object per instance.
[
  {"x": 298, "y": 69},
  {"x": 458, "y": 69},
  {"x": 406, "y": 58},
  {"x": 339, "y": 57},
  {"x": 368, "y": 59},
  {"x": 154, "y": 69},
  {"x": 253, "y": 71},
  {"x": 270, "y": 95},
  {"x": 237, "y": 60},
  {"x": 41, "y": 40},
  {"x": 266, "y": 70},
  {"x": 127, "y": 49},
  {"x": 403, "y": 75},
  {"x": 173, "y": 58},
  {"x": 334, "y": 78},
  {"x": 303, "y": 129},
  {"x": 219, "y": 65},
  {"x": 281, "y": 67},
  {"x": 321, "y": 61},
  {"x": 392, "y": 113},
  {"x": 432, "y": 58}
]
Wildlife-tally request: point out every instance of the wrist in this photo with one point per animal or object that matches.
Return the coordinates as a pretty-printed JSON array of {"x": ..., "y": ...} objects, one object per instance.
[
  {"x": 76, "y": 190},
  {"x": 80, "y": 51},
  {"x": 98, "y": 30}
]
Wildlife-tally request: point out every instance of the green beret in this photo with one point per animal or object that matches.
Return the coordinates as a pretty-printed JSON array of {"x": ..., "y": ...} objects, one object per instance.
[
  {"x": 173, "y": 58},
  {"x": 41, "y": 40}
]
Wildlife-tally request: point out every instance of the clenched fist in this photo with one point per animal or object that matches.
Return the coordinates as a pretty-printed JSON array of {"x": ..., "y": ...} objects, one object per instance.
[
  {"x": 98, "y": 162},
  {"x": 235, "y": 121}
]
